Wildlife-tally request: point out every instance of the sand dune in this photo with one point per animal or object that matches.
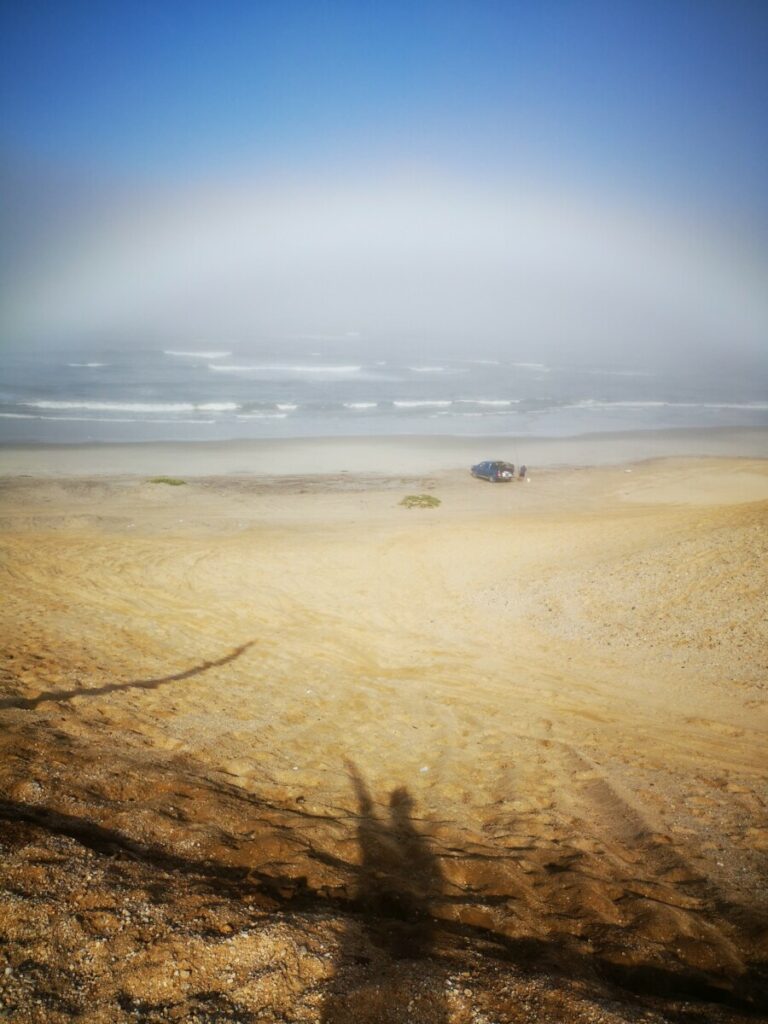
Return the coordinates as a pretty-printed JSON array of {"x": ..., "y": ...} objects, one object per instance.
[{"x": 284, "y": 749}]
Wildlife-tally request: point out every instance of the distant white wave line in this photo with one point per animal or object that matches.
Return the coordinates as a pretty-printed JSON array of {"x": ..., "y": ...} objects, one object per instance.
[
  {"x": 89, "y": 365},
  {"x": 476, "y": 413},
  {"x": 532, "y": 366},
  {"x": 437, "y": 369},
  {"x": 283, "y": 368},
  {"x": 489, "y": 401},
  {"x": 95, "y": 419},
  {"x": 480, "y": 362},
  {"x": 360, "y": 405},
  {"x": 196, "y": 355},
  {"x": 414, "y": 405},
  {"x": 136, "y": 406},
  {"x": 286, "y": 406},
  {"x": 592, "y": 403}
]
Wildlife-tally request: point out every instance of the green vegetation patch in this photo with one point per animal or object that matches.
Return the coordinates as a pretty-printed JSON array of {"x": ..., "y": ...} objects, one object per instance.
[
  {"x": 172, "y": 481},
  {"x": 420, "y": 501}
]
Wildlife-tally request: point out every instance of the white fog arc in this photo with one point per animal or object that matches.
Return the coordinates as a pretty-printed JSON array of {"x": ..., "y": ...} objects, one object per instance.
[{"x": 567, "y": 272}]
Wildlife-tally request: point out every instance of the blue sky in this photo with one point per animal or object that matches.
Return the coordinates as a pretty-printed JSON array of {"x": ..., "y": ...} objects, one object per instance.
[
  {"x": 672, "y": 94},
  {"x": 659, "y": 104}
]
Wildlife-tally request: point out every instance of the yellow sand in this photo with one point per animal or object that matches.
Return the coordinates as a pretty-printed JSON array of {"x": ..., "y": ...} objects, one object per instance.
[{"x": 567, "y": 676}]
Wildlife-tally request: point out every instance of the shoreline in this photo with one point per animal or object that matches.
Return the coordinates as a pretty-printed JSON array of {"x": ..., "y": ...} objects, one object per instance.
[{"x": 380, "y": 455}]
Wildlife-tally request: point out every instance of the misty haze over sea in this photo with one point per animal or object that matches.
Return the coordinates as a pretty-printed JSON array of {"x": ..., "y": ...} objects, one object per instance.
[
  {"x": 340, "y": 387},
  {"x": 303, "y": 219}
]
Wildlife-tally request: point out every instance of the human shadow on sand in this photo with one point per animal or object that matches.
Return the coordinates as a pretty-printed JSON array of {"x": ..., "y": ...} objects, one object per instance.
[
  {"x": 395, "y": 951},
  {"x": 29, "y": 703},
  {"x": 387, "y": 967}
]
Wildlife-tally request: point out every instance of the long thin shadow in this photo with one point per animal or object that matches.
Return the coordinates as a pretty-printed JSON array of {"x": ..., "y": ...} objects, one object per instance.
[
  {"x": 290, "y": 893},
  {"x": 28, "y": 703}
]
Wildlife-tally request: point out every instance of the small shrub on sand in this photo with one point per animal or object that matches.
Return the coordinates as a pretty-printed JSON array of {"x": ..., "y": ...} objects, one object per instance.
[
  {"x": 172, "y": 481},
  {"x": 420, "y": 501}
]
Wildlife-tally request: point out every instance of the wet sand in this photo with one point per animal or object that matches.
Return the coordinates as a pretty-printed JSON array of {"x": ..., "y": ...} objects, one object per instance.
[
  {"x": 275, "y": 747},
  {"x": 279, "y": 457}
]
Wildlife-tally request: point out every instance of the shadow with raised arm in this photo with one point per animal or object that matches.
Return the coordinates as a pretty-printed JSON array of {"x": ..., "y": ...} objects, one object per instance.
[{"x": 387, "y": 966}]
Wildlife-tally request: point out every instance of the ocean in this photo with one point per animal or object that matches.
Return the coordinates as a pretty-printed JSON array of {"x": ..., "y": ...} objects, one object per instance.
[{"x": 224, "y": 392}]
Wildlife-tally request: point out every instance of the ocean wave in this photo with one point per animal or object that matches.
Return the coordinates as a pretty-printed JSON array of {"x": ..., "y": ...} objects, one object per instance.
[
  {"x": 96, "y": 419},
  {"x": 283, "y": 368},
  {"x": 479, "y": 362},
  {"x": 360, "y": 405},
  {"x": 196, "y": 355},
  {"x": 488, "y": 401},
  {"x": 473, "y": 413},
  {"x": 135, "y": 407},
  {"x": 417, "y": 404},
  {"x": 594, "y": 403},
  {"x": 88, "y": 365},
  {"x": 262, "y": 415},
  {"x": 437, "y": 369},
  {"x": 541, "y": 367}
]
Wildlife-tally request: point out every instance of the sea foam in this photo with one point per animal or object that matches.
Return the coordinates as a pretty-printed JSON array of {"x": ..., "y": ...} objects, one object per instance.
[
  {"x": 489, "y": 401},
  {"x": 135, "y": 407},
  {"x": 283, "y": 368},
  {"x": 97, "y": 419},
  {"x": 416, "y": 404},
  {"x": 594, "y": 403},
  {"x": 196, "y": 355}
]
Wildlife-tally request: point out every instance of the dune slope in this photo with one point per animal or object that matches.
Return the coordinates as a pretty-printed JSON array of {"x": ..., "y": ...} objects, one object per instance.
[{"x": 287, "y": 750}]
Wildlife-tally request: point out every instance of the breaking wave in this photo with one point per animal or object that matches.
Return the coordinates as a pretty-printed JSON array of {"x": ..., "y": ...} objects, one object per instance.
[
  {"x": 417, "y": 404},
  {"x": 195, "y": 355},
  {"x": 135, "y": 407},
  {"x": 282, "y": 368}
]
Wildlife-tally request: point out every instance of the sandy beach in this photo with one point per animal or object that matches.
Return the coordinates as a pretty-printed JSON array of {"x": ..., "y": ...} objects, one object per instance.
[{"x": 275, "y": 747}]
